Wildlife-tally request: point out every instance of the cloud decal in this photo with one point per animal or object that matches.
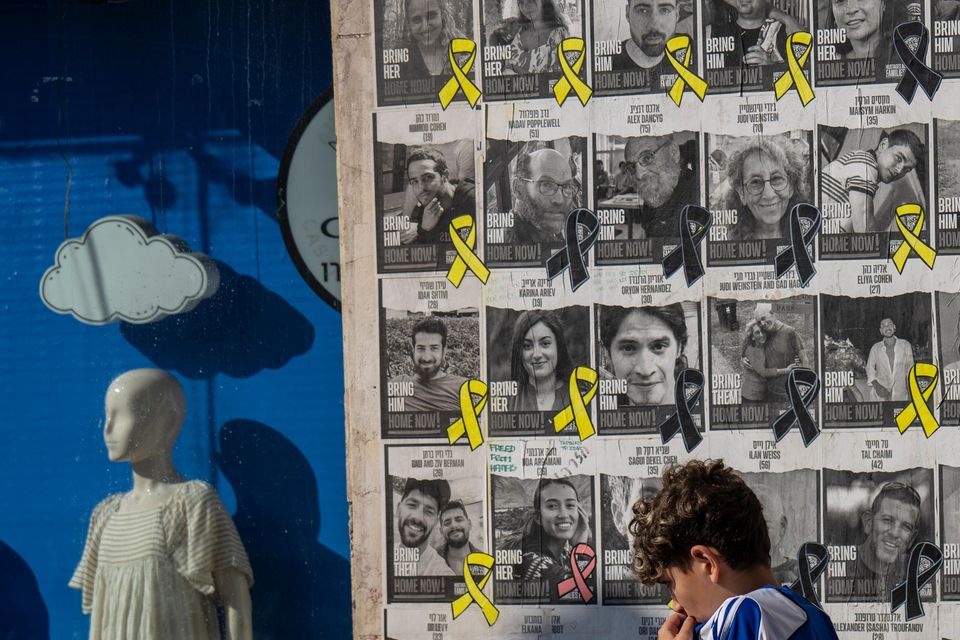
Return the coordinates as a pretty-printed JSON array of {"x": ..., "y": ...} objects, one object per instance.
[{"x": 122, "y": 269}]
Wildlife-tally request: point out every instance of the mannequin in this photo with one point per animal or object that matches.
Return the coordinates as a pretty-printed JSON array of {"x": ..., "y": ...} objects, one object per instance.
[{"x": 160, "y": 558}]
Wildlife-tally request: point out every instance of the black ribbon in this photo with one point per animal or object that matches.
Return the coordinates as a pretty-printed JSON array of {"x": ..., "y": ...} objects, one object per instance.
[
  {"x": 797, "y": 414},
  {"x": 808, "y": 574},
  {"x": 687, "y": 255},
  {"x": 917, "y": 71},
  {"x": 681, "y": 421},
  {"x": 797, "y": 253},
  {"x": 573, "y": 254},
  {"x": 908, "y": 591}
]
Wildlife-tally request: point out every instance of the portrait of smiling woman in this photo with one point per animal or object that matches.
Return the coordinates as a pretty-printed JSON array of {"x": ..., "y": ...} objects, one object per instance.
[
  {"x": 534, "y": 352},
  {"x": 766, "y": 178},
  {"x": 426, "y": 29},
  {"x": 533, "y": 35},
  {"x": 868, "y": 25},
  {"x": 539, "y": 363},
  {"x": 557, "y": 522}
]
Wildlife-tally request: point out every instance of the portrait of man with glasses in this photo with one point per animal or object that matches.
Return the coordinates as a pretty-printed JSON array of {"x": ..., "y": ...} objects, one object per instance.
[
  {"x": 545, "y": 189},
  {"x": 667, "y": 179},
  {"x": 530, "y": 186},
  {"x": 664, "y": 175}
]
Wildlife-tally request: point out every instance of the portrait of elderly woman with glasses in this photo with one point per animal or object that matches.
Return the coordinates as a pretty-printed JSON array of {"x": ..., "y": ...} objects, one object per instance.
[
  {"x": 545, "y": 188},
  {"x": 766, "y": 178}
]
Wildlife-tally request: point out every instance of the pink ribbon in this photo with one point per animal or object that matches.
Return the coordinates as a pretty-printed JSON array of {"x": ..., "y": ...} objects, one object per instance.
[{"x": 577, "y": 581}]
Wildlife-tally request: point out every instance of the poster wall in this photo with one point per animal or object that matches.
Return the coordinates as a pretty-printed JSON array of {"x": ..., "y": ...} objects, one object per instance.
[{"x": 574, "y": 292}]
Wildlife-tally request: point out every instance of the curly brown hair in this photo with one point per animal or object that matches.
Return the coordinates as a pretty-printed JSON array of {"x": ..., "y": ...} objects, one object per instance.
[{"x": 701, "y": 502}]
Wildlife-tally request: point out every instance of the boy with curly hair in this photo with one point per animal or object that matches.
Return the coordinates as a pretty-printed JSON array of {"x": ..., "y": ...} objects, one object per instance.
[{"x": 704, "y": 536}]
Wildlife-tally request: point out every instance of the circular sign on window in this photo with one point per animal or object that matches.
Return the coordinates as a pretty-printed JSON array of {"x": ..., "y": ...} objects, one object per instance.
[{"x": 307, "y": 200}]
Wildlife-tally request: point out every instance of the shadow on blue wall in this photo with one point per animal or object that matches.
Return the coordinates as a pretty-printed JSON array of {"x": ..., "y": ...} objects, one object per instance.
[
  {"x": 142, "y": 170},
  {"x": 241, "y": 330},
  {"x": 244, "y": 188},
  {"x": 301, "y": 588},
  {"x": 23, "y": 614}
]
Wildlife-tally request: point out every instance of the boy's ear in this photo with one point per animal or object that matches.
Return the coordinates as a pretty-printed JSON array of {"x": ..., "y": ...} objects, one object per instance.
[
  {"x": 883, "y": 144},
  {"x": 706, "y": 561}
]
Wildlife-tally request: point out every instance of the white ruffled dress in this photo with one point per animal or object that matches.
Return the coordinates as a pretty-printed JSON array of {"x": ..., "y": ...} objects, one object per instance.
[{"x": 148, "y": 574}]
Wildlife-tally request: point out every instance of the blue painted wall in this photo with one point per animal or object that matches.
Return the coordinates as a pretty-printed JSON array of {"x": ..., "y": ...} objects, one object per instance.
[{"x": 177, "y": 111}]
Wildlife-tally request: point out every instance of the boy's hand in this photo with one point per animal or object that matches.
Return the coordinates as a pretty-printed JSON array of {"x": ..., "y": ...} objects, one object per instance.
[{"x": 677, "y": 627}]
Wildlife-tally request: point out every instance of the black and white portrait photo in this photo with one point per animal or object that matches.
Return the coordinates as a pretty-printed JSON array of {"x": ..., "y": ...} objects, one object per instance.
[
  {"x": 753, "y": 182},
  {"x": 873, "y": 520},
  {"x": 529, "y": 190},
  {"x": 413, "y": 39}
]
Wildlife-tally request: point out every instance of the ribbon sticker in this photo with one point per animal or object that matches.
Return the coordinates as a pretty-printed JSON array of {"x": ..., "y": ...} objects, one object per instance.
[
  {"x": 812, "y": 561},
  {"x": 577, "y": 411},
  {"x": 800, "y": 399},
  {"x": 578, "y": 581},
  {"x": 459, "y": 80},
  {"x": 570, "y": 80},
  {"x": 911, "y": 237},
  {"x": 694, "y": 223},
  {"x": 686, "y": 392},
  {"x": 573, "y": 256},
  {"x": 918, "y": 407},
  {"x": 799, "y": 45},
  {"x": 805, "y": 222},
  {"x": 679, "y": 49},
  {"x": 910, "y": 39},
  {"x": 474, "y": 590},
  {"x": 925, "y": 562},
  {"x": 467, "y": 424},
  {"x": 466, "y": 258}
]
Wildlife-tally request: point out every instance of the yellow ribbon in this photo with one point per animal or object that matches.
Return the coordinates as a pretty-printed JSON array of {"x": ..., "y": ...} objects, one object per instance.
[
  {"x": 469, "y": 412},
  {"x": 794, "y": 75},
  {"x": 474, "y": 591},
  {"x": 460, "y": 79},
  {"x": 911, "y": 238},
  {"x": 576, "y": 411},
  {"x": 570, "y": 80},
  {"x": 687, "y": 77},
  {"x": 466, "y": 258},
  {"x": 918, "y": 400}
]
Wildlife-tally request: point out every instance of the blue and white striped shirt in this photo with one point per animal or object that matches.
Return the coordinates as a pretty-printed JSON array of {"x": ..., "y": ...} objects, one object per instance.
[{"x": 767, "y": 614}]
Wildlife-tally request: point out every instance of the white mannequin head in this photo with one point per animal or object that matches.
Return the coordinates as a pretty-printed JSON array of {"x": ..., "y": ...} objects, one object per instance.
[{"x": 145, "y": 410}]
